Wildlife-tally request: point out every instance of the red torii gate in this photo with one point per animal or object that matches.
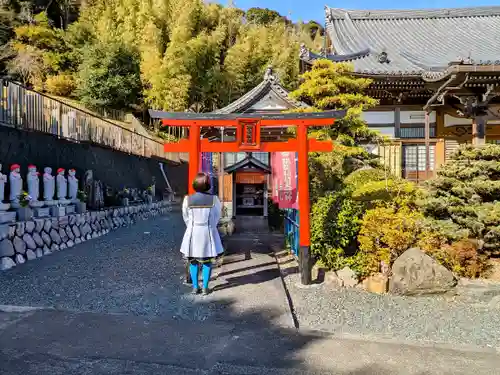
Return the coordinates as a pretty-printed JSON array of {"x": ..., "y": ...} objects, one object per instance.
[{"x": 248, "y": 139}]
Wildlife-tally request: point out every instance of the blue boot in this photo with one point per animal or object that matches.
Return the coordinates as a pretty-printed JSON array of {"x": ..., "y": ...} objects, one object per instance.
[
  {"x": 206, "y": 273},
  {"x": 193, "y": 270}
]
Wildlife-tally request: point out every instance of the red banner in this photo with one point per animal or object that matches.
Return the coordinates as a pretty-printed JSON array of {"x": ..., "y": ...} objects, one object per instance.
[{"x": 286, "y": 172}]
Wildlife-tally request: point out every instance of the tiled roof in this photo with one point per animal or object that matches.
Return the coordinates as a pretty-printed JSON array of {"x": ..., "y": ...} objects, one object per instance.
[
  {"x": 270, "y": 85},
  {"x": 413, "y": 42}
]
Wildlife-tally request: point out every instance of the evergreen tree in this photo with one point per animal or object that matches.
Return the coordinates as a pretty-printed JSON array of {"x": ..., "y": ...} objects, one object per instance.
[
  {"x": 331, "y": 86},
  {"x": 263, "y": 16},
  {"x": 109, "y": 76},
  {"x": 467, "y": 192}
]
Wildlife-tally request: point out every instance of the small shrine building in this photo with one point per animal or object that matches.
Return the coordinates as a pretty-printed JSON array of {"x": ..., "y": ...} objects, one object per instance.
[
  {"x": 246, "y": 177},
  {"x": 244, "y": 180}
]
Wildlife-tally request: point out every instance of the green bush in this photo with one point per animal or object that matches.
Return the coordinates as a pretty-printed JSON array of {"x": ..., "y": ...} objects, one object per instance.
[
  {"x": 395, "y": 190},
  {"x": 334, "y": 228},
  {"x": 328, "y": 171},
  {"x": 386, "y": 232},
  {"x": 110, "y": 76},
  {"x": 60, "y": 85},
  {"x": 362, "y": 176}
]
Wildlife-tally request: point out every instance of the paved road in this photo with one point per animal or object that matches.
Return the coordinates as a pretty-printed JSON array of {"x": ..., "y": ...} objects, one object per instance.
[
  {"x": 116, "y": 305},
  {"x": 66, "y": 343}
]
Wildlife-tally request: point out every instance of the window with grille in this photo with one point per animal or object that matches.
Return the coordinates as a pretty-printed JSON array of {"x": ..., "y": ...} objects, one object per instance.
[{"x": 414, "y": 157}]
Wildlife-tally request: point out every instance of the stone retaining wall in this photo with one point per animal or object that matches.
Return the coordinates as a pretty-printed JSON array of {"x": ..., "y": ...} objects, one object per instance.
[{"x": 33, "y": 239}]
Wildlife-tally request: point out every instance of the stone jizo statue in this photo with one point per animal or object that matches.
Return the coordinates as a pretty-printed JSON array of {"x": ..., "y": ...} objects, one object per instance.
[
  {"x": 62, "y": 185},
  {"x": 33, "y": 183},
  {"x": 73, "y": 185},
  {"x": 3, "y": 181},
  {"x": 16, "y": 185},
  {"x": 48, "y": 184}
]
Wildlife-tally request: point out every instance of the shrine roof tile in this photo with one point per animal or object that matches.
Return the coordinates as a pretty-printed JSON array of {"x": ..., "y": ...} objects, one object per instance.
[
  {"x": 161, "y": 115},
  {"x": 270, "y": 85}
]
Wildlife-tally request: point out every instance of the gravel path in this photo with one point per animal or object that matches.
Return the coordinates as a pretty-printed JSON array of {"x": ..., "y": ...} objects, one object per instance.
[
  {"x": 139, "y": 270},
  {"x": 434, "y": 319}
]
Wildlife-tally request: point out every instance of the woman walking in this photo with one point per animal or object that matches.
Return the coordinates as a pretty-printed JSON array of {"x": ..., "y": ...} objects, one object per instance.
[{"x": 201, "y": 243}]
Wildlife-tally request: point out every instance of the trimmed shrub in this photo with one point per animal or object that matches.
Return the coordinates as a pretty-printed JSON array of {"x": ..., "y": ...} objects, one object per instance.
[
  {"x": 462, "y": 257},
  {"x": 334, "y": 228},
  {"x": 467, "y": 192},
  {"x": 386, "y": 232},
  {"x": 395, "y": 190},
  {"x": 362, "y": 176}
]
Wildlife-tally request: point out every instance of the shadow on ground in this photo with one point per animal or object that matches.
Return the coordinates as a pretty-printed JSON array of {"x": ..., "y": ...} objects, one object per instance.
[
  {"x": 116, "y": 305},
  {"x": 64, "y": 342}
]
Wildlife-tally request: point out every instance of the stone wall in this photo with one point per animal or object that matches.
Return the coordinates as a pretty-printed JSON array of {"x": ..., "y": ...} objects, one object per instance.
[
  {"x": 114, "y": 168},
  {"x": 29, "y": 240}
]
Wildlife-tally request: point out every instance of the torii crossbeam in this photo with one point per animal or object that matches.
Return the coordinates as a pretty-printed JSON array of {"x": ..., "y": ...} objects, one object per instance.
[{"x": 248, "y": 139}]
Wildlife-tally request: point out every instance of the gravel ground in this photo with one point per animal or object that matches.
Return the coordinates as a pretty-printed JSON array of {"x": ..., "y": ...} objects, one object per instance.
[
  {"x": 430, "y": 320},
  {"x": 139, "y": 270},
  {"x": 134, "y": 270}
]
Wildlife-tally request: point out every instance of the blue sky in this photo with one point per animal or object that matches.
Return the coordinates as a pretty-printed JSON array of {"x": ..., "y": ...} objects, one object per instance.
[{"x": 313, "y": 9}]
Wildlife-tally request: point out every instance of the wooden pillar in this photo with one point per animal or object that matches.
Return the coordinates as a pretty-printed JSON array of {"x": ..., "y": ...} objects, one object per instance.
[
  {"x": 397, "y": 122},
  {"x": 427, "y": 145},
  {"x": 439, "y": 154},
  {"x": 478, "y": 131},
  {"x": 194, "y": 155},
  {"x": 304, "y": 209}
]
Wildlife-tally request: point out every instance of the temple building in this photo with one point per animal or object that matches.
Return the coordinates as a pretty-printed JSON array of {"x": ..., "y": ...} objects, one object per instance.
[{"x": 435, "y": 73}]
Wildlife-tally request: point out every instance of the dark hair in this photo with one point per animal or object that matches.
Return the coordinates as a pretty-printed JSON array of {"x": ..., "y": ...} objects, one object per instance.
[{"x": 201, "y": 183}]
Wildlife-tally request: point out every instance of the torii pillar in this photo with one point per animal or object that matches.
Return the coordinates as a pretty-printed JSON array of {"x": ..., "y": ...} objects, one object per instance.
[{"x": 248, "y": 128}]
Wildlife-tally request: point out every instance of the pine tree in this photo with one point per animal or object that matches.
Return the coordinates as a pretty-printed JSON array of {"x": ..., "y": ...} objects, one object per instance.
[
  {"x": 331, "y": 86},
  {"x": 467, "y": 192}
]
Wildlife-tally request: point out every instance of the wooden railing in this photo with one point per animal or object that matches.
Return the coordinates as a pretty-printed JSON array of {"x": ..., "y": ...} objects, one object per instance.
[{"x": 29, "y": 110}]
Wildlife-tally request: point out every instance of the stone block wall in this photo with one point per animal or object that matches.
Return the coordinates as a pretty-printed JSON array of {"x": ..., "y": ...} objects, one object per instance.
[{"x": 25, "y": 241}]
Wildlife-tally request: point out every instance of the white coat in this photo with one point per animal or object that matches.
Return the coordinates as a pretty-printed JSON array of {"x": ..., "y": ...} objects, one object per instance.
[{"x": 201, "y": 213}]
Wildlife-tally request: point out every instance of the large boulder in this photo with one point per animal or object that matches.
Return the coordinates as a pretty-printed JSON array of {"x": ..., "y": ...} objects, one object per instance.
[{"x": 414, "y": 273}]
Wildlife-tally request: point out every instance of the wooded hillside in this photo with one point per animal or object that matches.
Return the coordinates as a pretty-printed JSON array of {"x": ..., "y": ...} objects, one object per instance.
[{"x": 163, "y": 54}]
